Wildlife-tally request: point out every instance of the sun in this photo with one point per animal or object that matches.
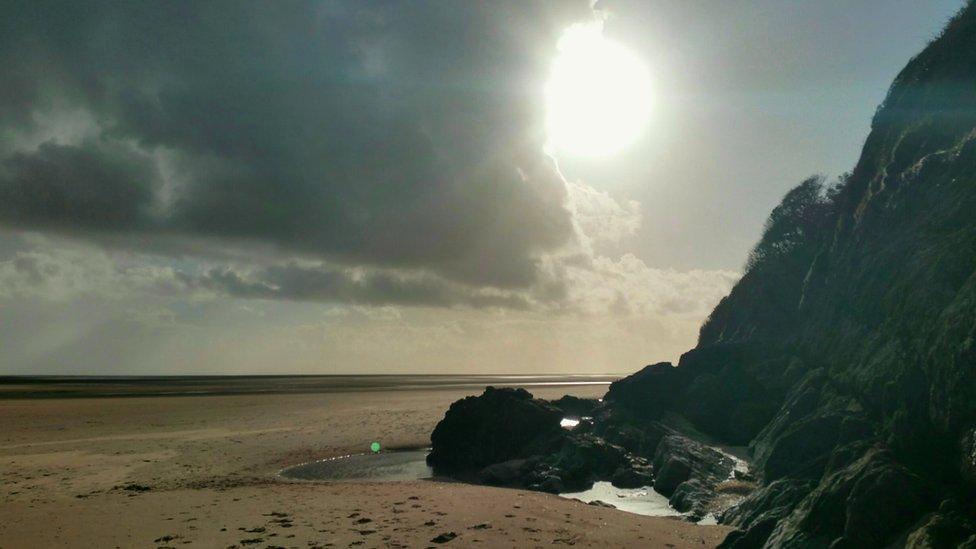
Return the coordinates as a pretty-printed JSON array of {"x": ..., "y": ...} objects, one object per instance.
[{"x": 598, "y": 97}]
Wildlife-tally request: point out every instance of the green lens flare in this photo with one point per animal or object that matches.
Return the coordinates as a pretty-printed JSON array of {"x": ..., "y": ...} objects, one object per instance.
[{"x": 375, "y": 447}]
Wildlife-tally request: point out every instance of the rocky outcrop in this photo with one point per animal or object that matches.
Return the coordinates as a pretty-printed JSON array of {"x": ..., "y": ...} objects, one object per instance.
[
  {"x": 687, "y": 472},
  {"x": 864, "y": 504},
  {"x": 648, "y": 393},
  {"x": 947, "y": 527},
  {"x": 758, "y": 516},
  {"x": 576, "y": 407},
  {"x": 505, "y": 437},
  {"x": 500, "y": 425}
]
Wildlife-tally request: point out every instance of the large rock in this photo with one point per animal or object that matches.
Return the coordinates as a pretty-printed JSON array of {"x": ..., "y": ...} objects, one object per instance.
[
  {"x": 967, "y": 452},
  {"x": 508, "y": 473},
  {"x": 865, "y": 504},
  {"x": 733, "y": 390},
  {"x": 946, "y": 528},
  {"x": 757, "y": 515},
  {"x": 779, "y": 497},
  {"x": 586, "y": 458},
  {"x": 649, "y": 392},
  {"x": 572, "y": 406},
  {"x": 687, "y": 472},
  {"x": 637, "y": 437},
  {"x": 497, "y": 426},
  {"x": 679, "y": 458},
  {"x": 671, "y": 472},
  {"x": 636, "y": 474}
]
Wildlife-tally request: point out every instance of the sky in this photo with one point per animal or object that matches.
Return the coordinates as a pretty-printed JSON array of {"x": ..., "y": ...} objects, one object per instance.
[{"x": 366, "y": 187}]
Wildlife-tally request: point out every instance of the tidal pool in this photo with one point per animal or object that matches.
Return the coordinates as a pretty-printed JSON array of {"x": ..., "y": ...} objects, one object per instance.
[
  {"x": 381, "y": 466},
  {"x": 403, "y": 465},
  {"x": 641, "y": 501}
]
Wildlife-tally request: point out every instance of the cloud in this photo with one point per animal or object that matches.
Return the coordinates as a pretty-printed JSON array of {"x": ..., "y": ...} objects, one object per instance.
[
  {"x": 91, "y": 186},
  {"x": 221, "y": 186},
  {"x": 359, "y": 286},
  {"x": 378, "y": 134},
  {"x": 364, "y": 153},
  {"x": 599, "y": 218},
  {"x": 61, "y": 271}
]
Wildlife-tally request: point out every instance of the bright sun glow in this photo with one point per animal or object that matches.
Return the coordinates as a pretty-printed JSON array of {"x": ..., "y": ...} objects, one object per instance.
[{"x": 598, "y": 97}]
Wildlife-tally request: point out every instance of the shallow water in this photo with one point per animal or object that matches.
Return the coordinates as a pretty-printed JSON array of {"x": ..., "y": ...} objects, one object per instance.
[
  {"x": 412, "y": 465},
  {"x": 380, "y": 467},
  {"x": 641, "y": 501}
]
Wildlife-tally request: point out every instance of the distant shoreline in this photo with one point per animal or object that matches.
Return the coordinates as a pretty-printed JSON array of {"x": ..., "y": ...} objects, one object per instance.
[{"x": 28, "y": 387}]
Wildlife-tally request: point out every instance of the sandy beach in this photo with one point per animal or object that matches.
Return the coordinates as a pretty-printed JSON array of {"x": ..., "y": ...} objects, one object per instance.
[{"x": 202, "y": 471}]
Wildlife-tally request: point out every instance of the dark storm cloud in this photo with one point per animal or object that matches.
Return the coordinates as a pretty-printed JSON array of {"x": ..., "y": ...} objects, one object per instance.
[
  {"x": 402, "y": 135},
  {"x": 74, "y": 187}
]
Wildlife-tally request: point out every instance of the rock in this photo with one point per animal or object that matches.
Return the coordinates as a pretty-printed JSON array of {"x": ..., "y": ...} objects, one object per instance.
[
  {"x": 572, "y": 406},
  {"x": 586, "y": 458},
  {"x": 777, "y": 498},
  {"x": 679, "y": 458},
  {"x": 692, "y": 495},
  {"x": 868, "y": 503},
  {"x": 672, "y": 472},
  {"x": 649, "y": 392},
  {"x": 734, "y": 389},
  {"x": 804, "y": 448},
  {"x": 632, "y": 476},
  {"x": 499, "y": 425},
  {"x": 753, "y": 538},
  {"x": 508, "y": 473},
  {"x": 813, "y": 421},
  {"x": 942, "y": 529},
  {"x": 967, "y": 452},
  {"x": 598, "y": 503},
  {"x": 639, "y": 438},
  {"x": 757, "y": 515},
  {"x": 444, "y": 538},
  {"x": 551, "y": 484}
]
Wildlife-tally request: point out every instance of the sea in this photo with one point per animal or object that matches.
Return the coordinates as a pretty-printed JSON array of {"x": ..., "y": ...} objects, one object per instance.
[{"x": 128, "y": 386}]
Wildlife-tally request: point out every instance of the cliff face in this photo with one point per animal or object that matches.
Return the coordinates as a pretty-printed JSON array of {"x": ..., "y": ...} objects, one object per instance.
[
  {"x": 865, "y": 311},
  {"x": 845, "y": 357}
]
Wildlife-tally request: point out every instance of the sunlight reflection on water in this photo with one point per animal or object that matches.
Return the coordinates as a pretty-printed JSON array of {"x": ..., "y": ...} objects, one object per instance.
[{"x": 641, "y": 501}]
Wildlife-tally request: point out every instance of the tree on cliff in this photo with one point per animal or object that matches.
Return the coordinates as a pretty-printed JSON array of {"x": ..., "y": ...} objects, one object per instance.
[
  {"x": 794, "y": 227},
  {"x": 764, "y": 303}
]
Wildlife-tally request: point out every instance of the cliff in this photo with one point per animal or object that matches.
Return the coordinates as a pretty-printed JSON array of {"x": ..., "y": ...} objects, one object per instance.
[
  {"x": 866, "y": 293},
  {"x": 845, "y": 358}
]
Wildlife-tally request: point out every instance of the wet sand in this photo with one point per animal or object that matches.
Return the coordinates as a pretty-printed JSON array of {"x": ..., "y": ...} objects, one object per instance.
[{"x": 201, "y": 471}]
